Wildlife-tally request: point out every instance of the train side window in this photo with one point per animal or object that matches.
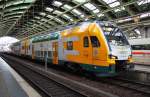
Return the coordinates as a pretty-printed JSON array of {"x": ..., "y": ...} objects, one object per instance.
[
  {"x": 22, "y": 47},
  {"x": 39, "y": 53},
  {"x": 95, "y": 42},
  {"x": 42, "y": 52},
  {"x": 29, "y": 47},
  {"x": 69, "y": 45},
  {"x": 36, "y": 53},
  {"x": 49, "y": 54},
  {"x": 86, "y": 41},
  {"x": 45, "y": 54}
]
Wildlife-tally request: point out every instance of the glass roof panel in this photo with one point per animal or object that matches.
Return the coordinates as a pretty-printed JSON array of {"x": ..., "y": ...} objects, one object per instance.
[
  {"x": 13, "y": 13},
  {"x": 67, "y": 17},
  {"x": 33, "y": 20},
  {"x": 89, "y": 6},
  {"x": 37, "y": 17},
  {"x": 67, "y": 7},
  {"x": 57, "y": 3},
  {"x": 109, "y": 1},
  {"x": 13, "y": 3},
  {"x": 29, "y": 1},
  {"x": 96, "y": 11},
  {"x": 16, "y": 8},
  {"x": 82, "y": 16},
  {"x": 49, "y": 9},
  {"x": 19, "y": 2},
  {"x": 114, "y": 4},
  {"x": 42, "y": 13},
  {"x": 139, "y": 2},
  {"x": 79, "y": 1},
  {"x": 43, "y": 20},
  {"x": 119, "y": 9},
  {"x": 100, "y": 15},
  {"x": 50, "y": 16},
  {"x": 76, "y": 12},
  {"x": 145, "y": 15},
  {"x": 57, "y": 12},
  {"x": 58, "y": 20}
]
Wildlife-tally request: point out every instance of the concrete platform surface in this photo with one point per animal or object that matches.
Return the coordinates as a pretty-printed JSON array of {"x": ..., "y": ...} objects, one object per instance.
[
  {"x": 142, "y": 68},
  {"x": 12, "y": 84}
]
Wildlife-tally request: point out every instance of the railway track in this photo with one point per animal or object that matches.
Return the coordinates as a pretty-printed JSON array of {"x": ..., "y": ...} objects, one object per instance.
[
  {"x": 129, "y": 84},
  {"x": 52, "y": 88},
  {"x": 48, "y": 86}
]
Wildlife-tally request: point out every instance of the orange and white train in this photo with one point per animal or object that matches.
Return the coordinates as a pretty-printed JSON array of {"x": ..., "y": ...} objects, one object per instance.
[{"x": 97, "y": 47}]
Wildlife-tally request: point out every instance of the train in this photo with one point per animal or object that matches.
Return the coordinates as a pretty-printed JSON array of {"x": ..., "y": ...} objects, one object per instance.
[
  {"x": 140, "y": 50},
  {"x": 98, "y": 47}
]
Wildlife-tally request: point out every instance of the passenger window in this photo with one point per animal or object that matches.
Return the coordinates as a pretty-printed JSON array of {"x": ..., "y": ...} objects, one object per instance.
[
  {"x": 49, "y": 54},
  {"x": 42, "y": 53},
  {"x": 22, "y": 47},
  {"x": 29, "y": 47},
  {"x": 39, "y": 53},
  {"x": 69, "y": 45},
  {"x": 95, "y": 42},
  {"x": 86, "y": 41}
]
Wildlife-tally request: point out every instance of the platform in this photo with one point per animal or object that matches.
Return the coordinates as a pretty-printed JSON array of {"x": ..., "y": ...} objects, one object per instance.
[
  {"x": 12, "y": 84},
  {"x": 142, "y": 68}
]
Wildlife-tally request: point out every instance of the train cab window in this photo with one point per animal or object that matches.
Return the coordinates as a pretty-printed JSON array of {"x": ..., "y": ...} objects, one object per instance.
[
  {"x": 95, "y": 42},
  {"x": 86, "y": 41},
  {"x": 69, "y": 45}
]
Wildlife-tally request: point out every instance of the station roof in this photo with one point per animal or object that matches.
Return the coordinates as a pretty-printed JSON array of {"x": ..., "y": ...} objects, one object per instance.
[{"x": 22, "y": 18}]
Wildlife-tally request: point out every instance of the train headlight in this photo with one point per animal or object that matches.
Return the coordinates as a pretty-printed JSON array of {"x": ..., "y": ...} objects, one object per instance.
[{"x": 130, "y": 58}]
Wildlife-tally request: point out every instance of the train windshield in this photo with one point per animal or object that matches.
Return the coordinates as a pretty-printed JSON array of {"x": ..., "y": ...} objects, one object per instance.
[{"x": 114, "y": 36}]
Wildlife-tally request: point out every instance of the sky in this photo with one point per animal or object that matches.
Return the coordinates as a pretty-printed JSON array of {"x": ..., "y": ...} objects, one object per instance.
[{"x": 5, "y": 42}]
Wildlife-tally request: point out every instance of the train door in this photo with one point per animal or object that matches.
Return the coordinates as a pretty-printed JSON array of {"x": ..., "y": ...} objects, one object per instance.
[
  {"x": 33, "y": 53},
  {"x": 87, "y": 50},
  {"x": 55, "y": 52},
  {"x": 95, "y": 50}
]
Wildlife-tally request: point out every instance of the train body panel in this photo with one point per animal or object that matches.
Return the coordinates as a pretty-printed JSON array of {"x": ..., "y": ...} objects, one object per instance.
[
  {"x": 88, "y": 45},
  {"x": 140, "y": 50},
  {"x": 16, "y": 48}
]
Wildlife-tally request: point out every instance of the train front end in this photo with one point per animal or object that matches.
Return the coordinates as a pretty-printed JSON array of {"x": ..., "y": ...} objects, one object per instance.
[{"x": 119, "y": 48}]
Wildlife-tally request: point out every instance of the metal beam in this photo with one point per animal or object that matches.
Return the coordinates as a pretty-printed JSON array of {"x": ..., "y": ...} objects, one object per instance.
[{"x": 19, "y": 18}]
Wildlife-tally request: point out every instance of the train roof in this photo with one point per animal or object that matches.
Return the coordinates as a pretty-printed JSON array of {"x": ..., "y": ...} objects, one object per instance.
[{"x": 41, "y": 38}]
